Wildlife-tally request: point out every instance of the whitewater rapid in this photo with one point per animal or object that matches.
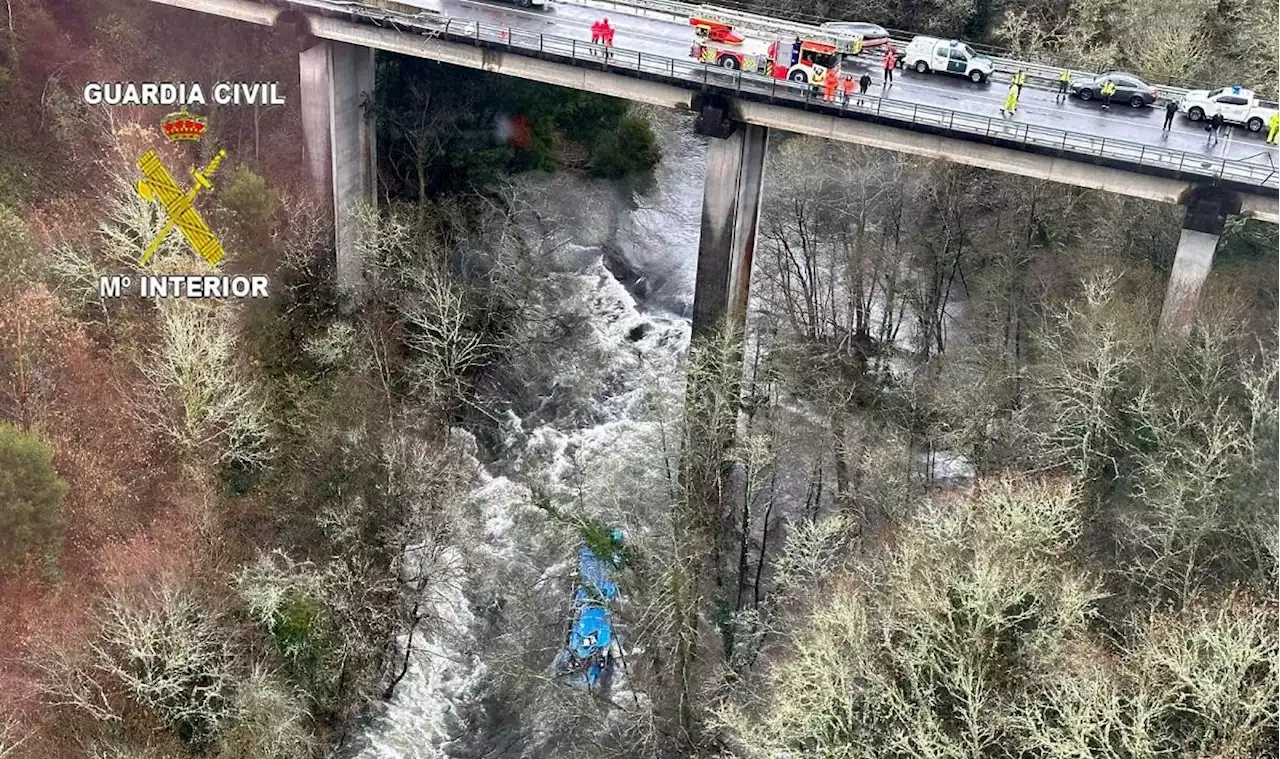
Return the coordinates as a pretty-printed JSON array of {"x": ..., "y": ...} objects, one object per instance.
[{"x": 631, "y": 252}]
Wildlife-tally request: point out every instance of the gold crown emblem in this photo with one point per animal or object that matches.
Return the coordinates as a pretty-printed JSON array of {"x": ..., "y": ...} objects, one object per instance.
[{"x": 183, "y": 126}]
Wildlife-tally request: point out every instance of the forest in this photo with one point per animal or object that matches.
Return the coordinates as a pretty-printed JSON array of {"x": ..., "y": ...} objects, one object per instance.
[{"x": 946, "y": 493}]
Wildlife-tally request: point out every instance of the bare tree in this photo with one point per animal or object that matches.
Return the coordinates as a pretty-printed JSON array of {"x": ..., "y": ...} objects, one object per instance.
[
  {"x": 195, "y": 395},
  {"x": 269, "y": 719},
  {"x": 162, "y": 651},
  {"x": 12, "y": 736}
]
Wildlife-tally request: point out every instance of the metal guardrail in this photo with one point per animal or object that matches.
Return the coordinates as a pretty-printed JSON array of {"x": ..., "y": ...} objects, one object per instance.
[{"x": 690, "y": 72}]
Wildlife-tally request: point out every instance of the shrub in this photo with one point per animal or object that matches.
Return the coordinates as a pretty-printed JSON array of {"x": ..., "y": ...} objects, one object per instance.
[
  {"x": 629, "y": 149},
  {"x": 15, "y": 246},
  {"x": 30, "y": 498},
  {"x": 298, "y": 632},
  {"x": 248, "y": 197}
]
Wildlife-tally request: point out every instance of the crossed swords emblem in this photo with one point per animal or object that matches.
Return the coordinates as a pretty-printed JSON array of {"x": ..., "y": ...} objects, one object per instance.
[{"x": 158, "y": 184}]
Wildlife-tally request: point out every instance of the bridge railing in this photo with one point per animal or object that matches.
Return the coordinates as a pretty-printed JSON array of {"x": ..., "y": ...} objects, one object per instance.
[{"x": 998, "y": 130}]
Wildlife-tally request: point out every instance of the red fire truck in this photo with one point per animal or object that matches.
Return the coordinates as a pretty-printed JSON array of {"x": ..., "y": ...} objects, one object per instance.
[{"x": 804, "y": 59}]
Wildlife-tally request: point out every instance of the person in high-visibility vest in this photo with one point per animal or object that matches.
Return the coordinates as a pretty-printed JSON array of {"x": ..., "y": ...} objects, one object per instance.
[
  {"x": 1273, "y": 129},
  {"x": 829, "y": 85},
  {"x": 1011, "y": 100},
  {"x": 1020, "y": 79},
  {"x": 1064, "y": 80},
  {"x": 1108, "y": 89},
  {"x": 846, "y": 85},
  {"x": 595, "y": 32}
]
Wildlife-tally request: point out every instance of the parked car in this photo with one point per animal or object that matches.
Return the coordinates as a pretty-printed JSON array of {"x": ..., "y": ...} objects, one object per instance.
[
  {"x": 1129, "y": 88},
  {"x": 873, "y": 35},
  {"x": 1238, "y": 106},
  {"x": 925, "y": 54}
]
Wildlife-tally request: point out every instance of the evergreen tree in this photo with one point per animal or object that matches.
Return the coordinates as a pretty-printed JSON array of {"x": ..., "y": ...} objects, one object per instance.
[{"x": 30, "y": 498}]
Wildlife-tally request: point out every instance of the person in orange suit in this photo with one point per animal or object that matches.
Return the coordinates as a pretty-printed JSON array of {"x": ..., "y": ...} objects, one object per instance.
[
  {"x": 595, "y": 32},
  {"x": 829, "y": 85},
  {"x": 847, "y": 84},
  {"x": 607, "y": 37}
]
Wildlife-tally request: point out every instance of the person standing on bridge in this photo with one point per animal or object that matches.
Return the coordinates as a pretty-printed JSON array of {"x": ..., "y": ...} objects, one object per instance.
[
  {"x": 1273, "y": 128},
  {"x": 890, "y": 60},
  {"x": 595, "y": 32},
  {"x": 1215, "y": 126},
  {"x": 606, "y": 33},
  {"x": 864, "y": 84},
  {"x": 1064, "y": 81},
  {"x": 1011, "y": 100},
  {"x": 1170, "y": 110},
  {"x": 1020, "y": 80},
  {"x": 847, "y": 86},
  {"x": 829, "y": 83},
  {"x": 1108, "y": 89}
]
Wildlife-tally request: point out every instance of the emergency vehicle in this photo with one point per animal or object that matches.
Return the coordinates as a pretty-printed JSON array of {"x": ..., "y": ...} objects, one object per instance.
[
  {"x": 925, "y": 54},
  {"x": 800, "y": 59},
  {"x": 1236, "y": 104}
]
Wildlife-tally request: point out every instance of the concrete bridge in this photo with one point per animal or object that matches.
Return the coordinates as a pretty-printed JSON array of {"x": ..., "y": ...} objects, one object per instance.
[{"x": 338, "y": 40}]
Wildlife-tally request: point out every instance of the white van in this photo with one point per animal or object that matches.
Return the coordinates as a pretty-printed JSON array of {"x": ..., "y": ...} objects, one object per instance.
[{"x": 925, "y": 54}]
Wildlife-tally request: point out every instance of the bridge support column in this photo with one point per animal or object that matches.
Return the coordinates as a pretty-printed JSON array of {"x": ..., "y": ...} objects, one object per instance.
[
  {"x": 336, "y": 83},
  {"x": 730, "y": 218},
  {"x": 705, "y": 521},
  {"x": 1202, "y": 226}
]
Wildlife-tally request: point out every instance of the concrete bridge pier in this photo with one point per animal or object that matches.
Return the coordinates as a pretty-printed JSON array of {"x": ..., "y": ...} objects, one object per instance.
[
  {"x": 1205, "y": 219},
  {"x": 730, "y": 217},
  {"x": 338, "y": 133}
]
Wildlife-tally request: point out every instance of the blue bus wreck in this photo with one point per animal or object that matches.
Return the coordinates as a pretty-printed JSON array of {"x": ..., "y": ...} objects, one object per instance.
[{"x": 591, "y": 649}]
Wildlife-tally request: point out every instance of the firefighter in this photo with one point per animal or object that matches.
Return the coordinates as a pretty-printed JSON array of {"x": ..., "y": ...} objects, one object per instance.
[
  {"x": 1108, "y": 89},
  {"x": 1011, "y": 100},
  {"x": 1020, "y": 79},
  {"x": 829, "y": 85},
  {"x": 864, "y": 84},
  {"x": 1064, "y": 80},
  {"x": 890, "y": 60},
  {"x": 847, "y": 85},
  {"x": 1273, "y": 129}
]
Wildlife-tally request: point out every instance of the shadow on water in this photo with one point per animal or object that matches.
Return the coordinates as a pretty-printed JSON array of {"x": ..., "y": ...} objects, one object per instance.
[{"x": 651, "y": 291}]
